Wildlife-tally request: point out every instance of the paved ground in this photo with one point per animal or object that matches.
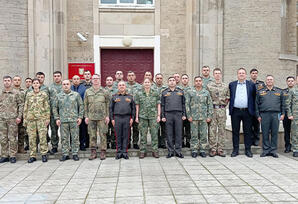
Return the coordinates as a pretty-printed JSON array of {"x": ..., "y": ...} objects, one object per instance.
[{"x": 188, "y": 180}]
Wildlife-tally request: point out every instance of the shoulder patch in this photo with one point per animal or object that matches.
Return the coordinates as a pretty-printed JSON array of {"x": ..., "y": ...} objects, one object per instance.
[
  {"x": 277, "y": 94},
  {"x": 127, "y": 99},
  {"x": 168, "y": 94},
  {"x": 179, "y": 94}
]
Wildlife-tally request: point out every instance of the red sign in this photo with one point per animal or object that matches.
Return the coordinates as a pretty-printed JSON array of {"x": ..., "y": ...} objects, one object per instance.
[{"x": 79, "y": 68}]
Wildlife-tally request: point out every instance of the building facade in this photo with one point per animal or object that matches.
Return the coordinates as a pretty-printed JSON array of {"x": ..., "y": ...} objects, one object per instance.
[{"x": 168, "y": 36}]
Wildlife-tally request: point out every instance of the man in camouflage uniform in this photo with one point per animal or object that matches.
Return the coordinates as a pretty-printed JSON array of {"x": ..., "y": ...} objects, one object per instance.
[
  {"x": 11, "y": 110},
  {"x": 119, "y": 77},
  {"x": 287, "y": 122},
  {"x": 17, "y": 80},
  {"x": 36, "y": 120},
  {"x": 87, "y": 82},
  {"x": 206, "y": 76},
  {"x": 159, "y": 86},
  {"x": 111, "y": 141},
  {"x": 68, "y": 113},
  {"x": 178, "y": 79},
  {"x": 96, "y": 104},
  {"x": 220, "y": 95},
  {"x": 292, "y": 110},
  {"x": 255, "y": 123},
  {"x": 28, "y": 83},
  {"x": 147, "y": 102},
  {"x": 132, "y": 87},
  {"x": 186, "y": 123},
  {"x": 199, "y": 110},
  {"x": 55, "y": 88}
]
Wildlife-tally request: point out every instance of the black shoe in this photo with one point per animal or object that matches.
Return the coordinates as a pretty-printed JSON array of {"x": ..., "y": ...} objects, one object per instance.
[
  {"x": 82, "y": 148},
  {"x": 255, "y": 143},
  {"x": 180, "y": 155},
  {"x": 12, "y": 160},
  {"x": 75, "y": 158},
  {"x": 163, "y": 146},
  {"x": 170, "y": 155},
  {"x": 64, "y": 158},
  {"x": 263, "y": 154},
  {"x": 125, "y": 156},
  {"x": 26, "y": 148},
  {"x": 44, "y": 158},
  {"x": 4, "y": 159},
  {"x": 295, "y": 154},
  {"x": 129, "y": 146},
  {"x": 187, "y": 145},
  {"x": 287, "y": 150},
  {"x": 194, "y": 154},
  {"x": 53, "y": 151},
  {"x": 135, "y": 146},
  {"x": 248, "y": 154},
  {"x": 31, "y": 159},
  {"x": 183, "y": 145},
  {"x": 108, "y": 145},
  {"x": 274, "y": 155},
  {"x": 203, "y": 154},
  {"x": 234, "y": 154},
  {"x": 118, "y": 156}
]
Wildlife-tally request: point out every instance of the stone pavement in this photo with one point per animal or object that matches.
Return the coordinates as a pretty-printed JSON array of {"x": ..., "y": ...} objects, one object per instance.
[{"x": 188, "y": 180}]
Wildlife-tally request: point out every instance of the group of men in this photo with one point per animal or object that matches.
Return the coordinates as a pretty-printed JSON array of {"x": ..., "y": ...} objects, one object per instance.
[{"x": 190, "y": 116}]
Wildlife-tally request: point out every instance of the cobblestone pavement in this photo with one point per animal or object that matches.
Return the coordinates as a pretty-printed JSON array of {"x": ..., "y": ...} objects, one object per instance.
[{"x": 188, "y": 180}]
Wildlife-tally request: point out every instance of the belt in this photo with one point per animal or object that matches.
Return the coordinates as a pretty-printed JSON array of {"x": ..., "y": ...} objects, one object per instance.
[
  {"x": 218, "y": 106},
  {"x": 241, "y": 109}
]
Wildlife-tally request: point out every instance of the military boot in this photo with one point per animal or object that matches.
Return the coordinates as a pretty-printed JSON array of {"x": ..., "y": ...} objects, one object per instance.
[
  {"x": 102, "y": 155},
  {"x": 93, "y": 154}
]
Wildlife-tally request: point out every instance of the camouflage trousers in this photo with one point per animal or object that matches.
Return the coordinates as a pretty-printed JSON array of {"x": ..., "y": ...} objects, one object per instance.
[
  {"x": 152, "y": 125},
  {"x": 70, "y": 130},
  {"x": 39, "y": 127},
  {"x": 217, "y": 129},
  {"x": 8, "y": 137},
  {"x": 54, "y": 133},
  {"x": 294, "y": 135},
  {"x": 22, "y": 136},
  {"x": 198, "y": 127},
  {"x": 94, "y": 127},
  {"x": 135, "y": 133}
]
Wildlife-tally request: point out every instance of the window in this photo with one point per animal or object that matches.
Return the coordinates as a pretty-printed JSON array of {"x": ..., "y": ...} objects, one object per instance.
[{"x": 127, "y": 2}]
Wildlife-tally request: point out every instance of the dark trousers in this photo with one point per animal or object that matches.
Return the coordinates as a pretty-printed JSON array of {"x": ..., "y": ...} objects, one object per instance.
[
  {"x": 84, "y": 136},
  {"x": 186, "y": 131},
  {"x": 255, "y": 136},
  {"x": 111, "y": 134},
  {"x": 269, "y": 123},
  {"x": 287, "y": 132},
  {"x": 122, "y": 130},
  {"x": 162, "y": 134},
  {"x": 174, "y": 131},
  {"x": 237, "y": 116}
]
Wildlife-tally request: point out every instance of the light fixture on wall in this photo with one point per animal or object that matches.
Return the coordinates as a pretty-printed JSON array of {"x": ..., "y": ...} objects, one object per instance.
[
  {"x": 82, "y": 37},
  {"x": 127, "y": 41}
]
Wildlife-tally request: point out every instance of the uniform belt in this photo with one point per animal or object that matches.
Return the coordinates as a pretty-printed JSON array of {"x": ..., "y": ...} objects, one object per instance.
[
  {"x": 218, "y": 106},
  {"x": 241, "y": 109}
]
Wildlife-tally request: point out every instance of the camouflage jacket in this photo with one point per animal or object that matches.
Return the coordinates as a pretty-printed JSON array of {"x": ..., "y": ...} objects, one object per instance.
[
  {"x": 11, "y": 104},
  {"x": 159, "y": 88},
  {"x": 133, "y": 89},
  {"x": 54, "y": 90},
  {"x": 147, "y": 103},
  {"x": 22, "y": 92},
  {"x": 96, "y": 104},
  {"x": 292, "y": 103},
  {"x": 111, "y": 91},
  {"x": 68, "y": 107},
  {"x": 185, "y": 88},
  {"x": 36, "y": 107},
  {"x": 206, "y": 81},
  {"x": 219, "y": 93},
  {"x": 198, "y": 104}
]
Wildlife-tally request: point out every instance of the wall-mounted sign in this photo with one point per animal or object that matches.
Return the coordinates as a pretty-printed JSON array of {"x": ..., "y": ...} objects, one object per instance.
[{"x": 79, "y": 69}]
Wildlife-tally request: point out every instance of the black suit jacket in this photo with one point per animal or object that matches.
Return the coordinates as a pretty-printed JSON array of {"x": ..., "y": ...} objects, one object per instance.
[{"x": 251, "y": 96}]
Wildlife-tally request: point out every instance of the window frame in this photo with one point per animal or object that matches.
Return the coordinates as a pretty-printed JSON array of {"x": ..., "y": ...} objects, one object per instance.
[{"x": 134, "y": 4}]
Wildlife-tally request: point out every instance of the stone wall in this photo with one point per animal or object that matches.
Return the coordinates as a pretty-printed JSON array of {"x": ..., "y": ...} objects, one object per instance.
[
  {"x": 80, "y": 19},
  {"x": 252, "y": 38},
  {"x": 14, "y": 37},
  {"x": 173, "y": 42}
]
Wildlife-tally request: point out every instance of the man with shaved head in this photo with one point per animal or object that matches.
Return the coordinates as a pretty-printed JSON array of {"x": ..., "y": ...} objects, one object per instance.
[{"x": 68, "y": 112}]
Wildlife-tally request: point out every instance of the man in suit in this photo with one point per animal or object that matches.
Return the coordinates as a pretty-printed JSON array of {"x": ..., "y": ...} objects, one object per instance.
[{"x": 242, "y": 108}]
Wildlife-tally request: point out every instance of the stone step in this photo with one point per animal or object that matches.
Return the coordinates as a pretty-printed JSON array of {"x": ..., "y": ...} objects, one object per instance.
[{"x": 134, "y": 153}]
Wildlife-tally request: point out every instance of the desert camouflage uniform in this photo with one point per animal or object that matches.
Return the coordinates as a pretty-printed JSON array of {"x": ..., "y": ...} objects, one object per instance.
[
  {"x": 219, "y": 93},
  {"x": 36, "y": 113},
  {"x": 96, "y": 105},
  {"x": 11, "y": 107},
  {"x": 199, "y": 107},
  {"x": 68, "y": 107},
  {"x": 147, "y": 117}
]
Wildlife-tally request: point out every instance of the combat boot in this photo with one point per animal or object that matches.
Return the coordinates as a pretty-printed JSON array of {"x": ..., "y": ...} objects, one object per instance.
[
  {"x": 93, "y": 154},
  {"x": 102, "y": 155}
]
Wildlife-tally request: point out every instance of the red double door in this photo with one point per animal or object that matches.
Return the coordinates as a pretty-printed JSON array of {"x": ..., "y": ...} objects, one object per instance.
[{"x": 137, "y": 60}]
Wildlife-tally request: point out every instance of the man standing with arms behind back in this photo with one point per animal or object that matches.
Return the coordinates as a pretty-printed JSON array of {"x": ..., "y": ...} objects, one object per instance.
[{"x": 242, "y": 108}]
